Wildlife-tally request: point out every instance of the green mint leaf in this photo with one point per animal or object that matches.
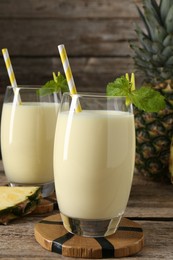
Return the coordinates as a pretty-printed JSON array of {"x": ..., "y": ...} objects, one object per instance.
[
  {"x": 62, "y": 83},
  {"x": 48, "y": 88},
  {"x": 59, "y": 83},
  {"x": 148, "y": 99},
  {"x": 120, "y": 87},
  {"x": 145, "y": 98}
]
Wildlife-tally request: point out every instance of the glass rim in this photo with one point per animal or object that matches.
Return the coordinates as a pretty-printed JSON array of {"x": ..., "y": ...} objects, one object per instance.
[
  {"x": 26, "y": 86},
  {"x": 92, "y": 94}
]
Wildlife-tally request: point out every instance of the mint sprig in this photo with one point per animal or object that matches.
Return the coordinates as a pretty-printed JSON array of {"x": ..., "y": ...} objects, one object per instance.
[
  {"x": 144, "y": 98},
  {"x": 57, "y": 84}
]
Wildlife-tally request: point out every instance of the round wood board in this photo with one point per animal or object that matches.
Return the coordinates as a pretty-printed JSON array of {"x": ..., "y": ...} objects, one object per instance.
[
  {"x": 46, "y": 205},
  {"x": 51, "y": 235}
]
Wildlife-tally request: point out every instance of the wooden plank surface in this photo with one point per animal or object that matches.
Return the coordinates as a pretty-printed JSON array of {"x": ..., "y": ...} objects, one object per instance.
[
  {"x": 150, "y": 205},
  {"x": 150, "y": 200},
  {"x": 158, "y": 241},
  {"x": 68, "y": 9},
  {"x": 91, "y": 74},
  {"x": 96, "y": 35},
  {"x": 82, "y": 37}
]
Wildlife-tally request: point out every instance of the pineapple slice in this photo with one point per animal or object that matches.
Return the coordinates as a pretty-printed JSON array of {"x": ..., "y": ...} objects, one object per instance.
[{"x": 17, "y": 201}]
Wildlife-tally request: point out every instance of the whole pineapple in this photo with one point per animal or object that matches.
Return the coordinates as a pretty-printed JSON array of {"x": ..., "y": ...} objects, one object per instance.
[{"x": 153, "y": 56}]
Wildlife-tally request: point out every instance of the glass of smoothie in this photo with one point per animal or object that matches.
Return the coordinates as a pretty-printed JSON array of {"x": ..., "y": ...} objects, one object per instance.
[
  {"x": 27, "y": 137},
  {"x": 94, "y": 154}
]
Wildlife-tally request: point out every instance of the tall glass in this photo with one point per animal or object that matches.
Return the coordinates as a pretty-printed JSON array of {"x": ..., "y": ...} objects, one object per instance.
[
  {"x": 27, "y": 136},
  {"x": 94, "y": 154}
]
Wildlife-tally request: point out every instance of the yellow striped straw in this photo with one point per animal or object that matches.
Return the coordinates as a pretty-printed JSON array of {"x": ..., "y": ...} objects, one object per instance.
[
  {"x": 133, "y": 81},
  {"x": 10, "y": 71},
  {"x": 68, "y": 74},
  {"x": 9, "y": 68},
  {"x": 127, "y": 76}
]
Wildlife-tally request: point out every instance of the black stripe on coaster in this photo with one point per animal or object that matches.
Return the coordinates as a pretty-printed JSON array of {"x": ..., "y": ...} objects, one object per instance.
[
  {"x": 58, "y": 242},
  {"x": 48, "y": 222},
  {"x": 107, "y": 247},
  {"x": 132, "y": 229}
]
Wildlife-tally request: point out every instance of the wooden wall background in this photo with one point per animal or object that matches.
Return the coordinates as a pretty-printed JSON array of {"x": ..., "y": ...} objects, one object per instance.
[{"x": 95, "y": 33}]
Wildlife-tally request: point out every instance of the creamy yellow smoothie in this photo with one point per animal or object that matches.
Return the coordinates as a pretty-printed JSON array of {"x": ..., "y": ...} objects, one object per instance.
[
  {"x": 94, "y": 155},
  {"x": 27, "y": 137}
]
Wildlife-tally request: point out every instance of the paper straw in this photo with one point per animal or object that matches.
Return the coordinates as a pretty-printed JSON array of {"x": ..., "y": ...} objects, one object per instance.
[
  {"x": 133, "y": 81},
  {"x": 127, "y": 76},
  {"x": 68, "y": 74},
  {"x": 10, "y": 71}
]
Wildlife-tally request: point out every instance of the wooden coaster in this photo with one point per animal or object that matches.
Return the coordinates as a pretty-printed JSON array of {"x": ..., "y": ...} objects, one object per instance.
[
  {"x": 51, "y": 235},
  {"x": 46, "y": 205}
]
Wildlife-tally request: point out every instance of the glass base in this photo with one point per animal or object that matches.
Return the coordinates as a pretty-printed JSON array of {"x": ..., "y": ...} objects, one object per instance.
[
  {"x": 91, "y": 228},
  {"x": 46, "y": 188}
]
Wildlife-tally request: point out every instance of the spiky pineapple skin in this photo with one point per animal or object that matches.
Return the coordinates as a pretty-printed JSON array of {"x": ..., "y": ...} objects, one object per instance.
[{"x": 154, "y": 133}]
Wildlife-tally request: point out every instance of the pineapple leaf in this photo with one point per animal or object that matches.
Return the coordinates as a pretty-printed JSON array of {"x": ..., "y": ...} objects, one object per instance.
[
  {"x": 141, "y": 53},
  {"x": 152, "y": 73},
  {"x": 166, "y": 74},
  {"x": 167, "y": 52},
  {"x": 144, "y": 21},
  {"x": 157, "y": 47},
  {"x": 155, "y": 40},
  {"x": 148, "y": 45},
  {"x": 170, "y": 61},
  {"x": 143, "y": 39},
  {"x": 154, "y": 9},
  {"x": 158, "y": 33},
  {"x": 158, "y": 60},
  {"x": 157, "y": 9},
  {"x": 164, "y": 8},
  {"x": 168, "y": 40},
  {"x": 141, "y": 63},
  {"x": 169, "y": 20}
]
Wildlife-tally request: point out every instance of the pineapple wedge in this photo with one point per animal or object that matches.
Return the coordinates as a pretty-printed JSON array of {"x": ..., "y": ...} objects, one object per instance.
[{"x": 17, "y": 201}]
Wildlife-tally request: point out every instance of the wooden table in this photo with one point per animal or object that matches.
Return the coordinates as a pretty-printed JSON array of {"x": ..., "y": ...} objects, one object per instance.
[{"x": 150, "y": 204}]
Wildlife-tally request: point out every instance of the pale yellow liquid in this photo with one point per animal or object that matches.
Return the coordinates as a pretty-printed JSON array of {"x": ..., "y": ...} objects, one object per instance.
[
  {"x": 27, "y": 137},
  {"x": 94, "y": 155}
]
